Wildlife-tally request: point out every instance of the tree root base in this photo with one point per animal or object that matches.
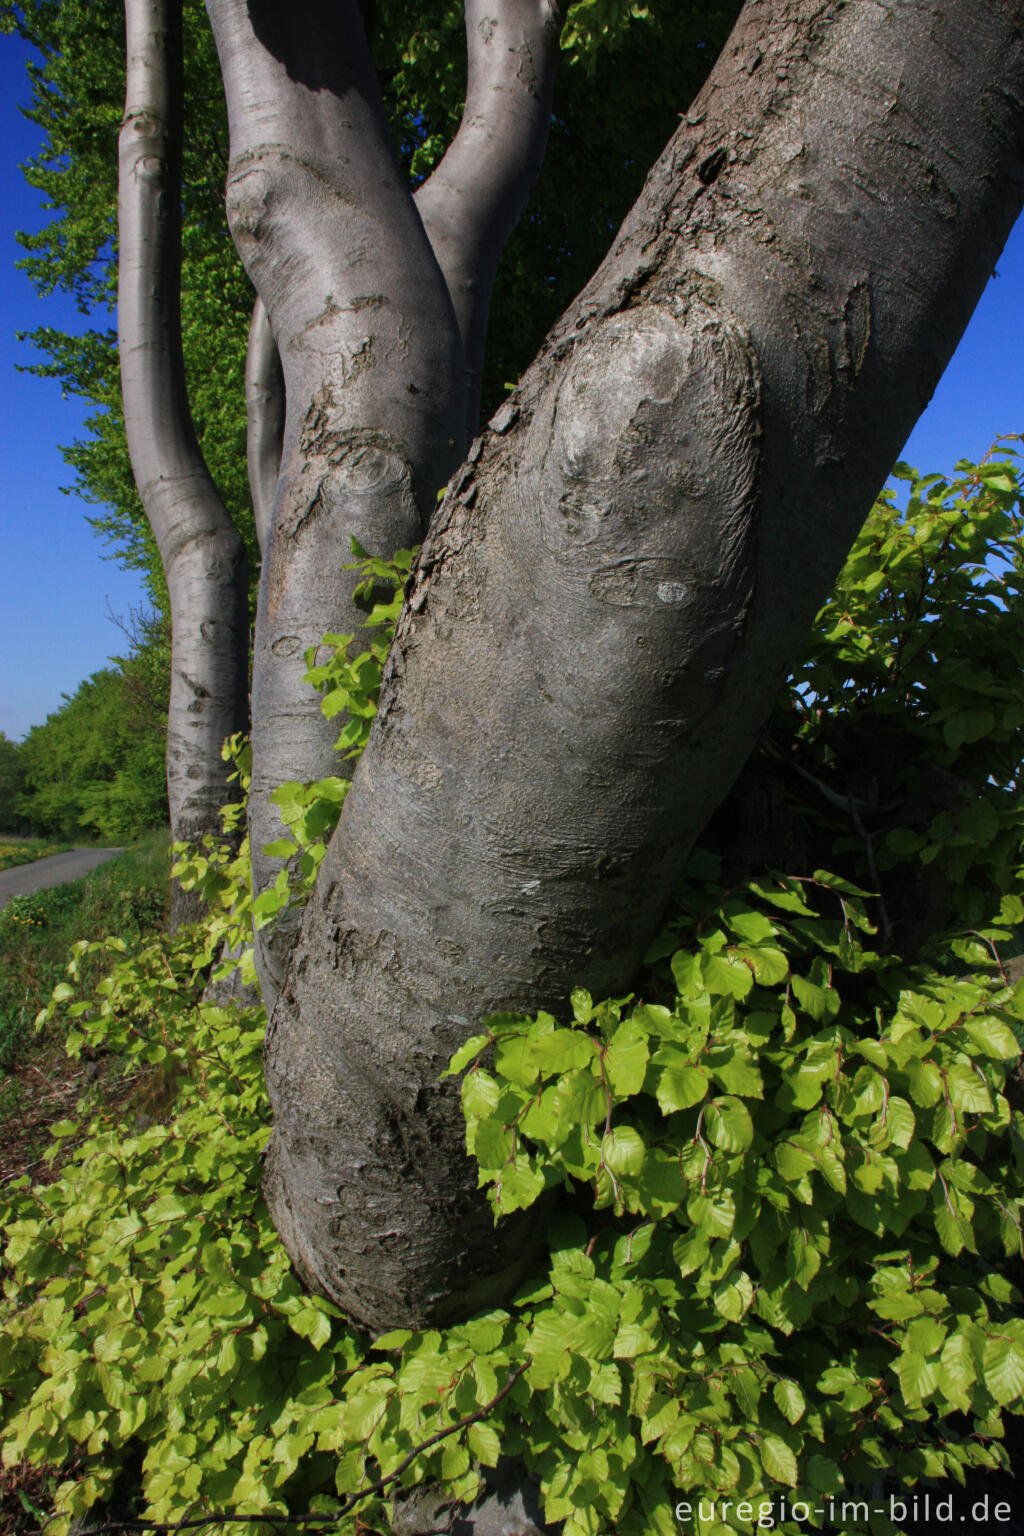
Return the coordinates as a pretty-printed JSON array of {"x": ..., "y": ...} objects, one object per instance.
[{"x": 509, "y": 1505}]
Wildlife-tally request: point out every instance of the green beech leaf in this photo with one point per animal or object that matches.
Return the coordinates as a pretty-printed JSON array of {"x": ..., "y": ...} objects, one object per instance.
[
  {"x": 1003, "y": 1368},
  {"x": 625, "y": 1061},
  {"x": 993, "y": 1037},
  {"x": 789, "y": 1399},
  {"x": 751, "y": 926},
  {"x": 803, "y": 1260},
  {"x": 518, "y": 1185},
  {"x": 733, "y": 1296},
  {"x": 560, "y": 1050},
  {"x": 770, "y": 965},
  {"x": 918, "y": 1378},
  {"x": 465, "y": 1054},
  {"x": 729, "y": 1124},
  {"x": 493, "y": 1143},
  {"x": 726, "y": 977},
  {"x": 484, "y": 1443},
  {"x": 580, "y": 1098},
  {"x": 680, "y": 1086},
  {"x": 967, "y": 1089},
  {"x": 777, "y": 1459},
  {"x": 623, "y": 1151}
]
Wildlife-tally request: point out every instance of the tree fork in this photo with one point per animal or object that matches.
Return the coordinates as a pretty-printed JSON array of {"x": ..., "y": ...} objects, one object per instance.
[
  {"x": 202, "y": 554},
  {"x": 374, "y": 363},
  {"x": 619, "y": 579}
]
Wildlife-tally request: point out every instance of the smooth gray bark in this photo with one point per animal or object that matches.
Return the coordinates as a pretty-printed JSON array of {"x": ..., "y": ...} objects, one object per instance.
[
  {"x": 369, "y": 340},
  {"x": 613, "y": 590},
  {"x": 473, "y": 200},
  {"x": 202, "y": 554},
  {"x": 264, "y": 416}
]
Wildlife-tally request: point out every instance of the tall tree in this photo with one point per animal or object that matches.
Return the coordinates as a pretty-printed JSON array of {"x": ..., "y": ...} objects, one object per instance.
[
  {"x": 201, "y": 552},
  {"x": 618, "y": 575},
  {"x": 94, "y": 767},
  {"x": 12, "y": 775}
]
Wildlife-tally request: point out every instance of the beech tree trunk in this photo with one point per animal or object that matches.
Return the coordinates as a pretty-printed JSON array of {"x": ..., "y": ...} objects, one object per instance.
[
  {"x": 619, "y": 575},
  {"x": 203, "y": 558}
]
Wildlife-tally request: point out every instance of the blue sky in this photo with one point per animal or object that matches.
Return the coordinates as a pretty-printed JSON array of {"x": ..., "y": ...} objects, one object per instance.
[{"x": 58, "y": 585}]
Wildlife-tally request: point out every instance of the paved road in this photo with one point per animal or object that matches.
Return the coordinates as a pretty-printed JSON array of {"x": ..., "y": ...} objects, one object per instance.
[{"x": 58, "y": 869}]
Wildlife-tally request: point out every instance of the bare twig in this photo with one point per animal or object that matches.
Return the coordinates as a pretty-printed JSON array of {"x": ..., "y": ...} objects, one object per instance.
[{"x": 869, "y": 853}]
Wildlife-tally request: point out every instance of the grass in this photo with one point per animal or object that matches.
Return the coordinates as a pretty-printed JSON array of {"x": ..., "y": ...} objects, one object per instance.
[{"x": 26, "y": 850}]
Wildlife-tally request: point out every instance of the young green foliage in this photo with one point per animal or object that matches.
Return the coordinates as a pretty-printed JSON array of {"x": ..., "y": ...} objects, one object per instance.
[{"x": 349, "y": 684}]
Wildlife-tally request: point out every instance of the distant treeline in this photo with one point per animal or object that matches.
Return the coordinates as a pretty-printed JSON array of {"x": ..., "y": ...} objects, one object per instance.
[{"x": 95, "y": 769}]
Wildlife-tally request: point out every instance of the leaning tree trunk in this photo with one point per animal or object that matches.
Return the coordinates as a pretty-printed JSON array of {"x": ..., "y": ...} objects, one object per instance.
[
  {"x": 371, "y": 343},
  {"x": 613, "y": 590},
  {"x": 203, "y": 558}
]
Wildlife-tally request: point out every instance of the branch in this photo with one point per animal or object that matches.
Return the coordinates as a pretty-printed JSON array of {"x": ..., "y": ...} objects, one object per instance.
[
  {"x": 869, "y": 854},
  {"x": 474, "y": 199},
  {"x": 264, "y": 414}
]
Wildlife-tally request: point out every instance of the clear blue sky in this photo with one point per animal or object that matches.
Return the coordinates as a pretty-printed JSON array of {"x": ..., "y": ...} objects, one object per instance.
[{"x": 57, "y": 584}]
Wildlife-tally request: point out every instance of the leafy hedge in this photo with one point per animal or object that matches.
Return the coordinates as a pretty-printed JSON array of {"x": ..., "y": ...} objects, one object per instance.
[{"x": 791, "y": 1164}]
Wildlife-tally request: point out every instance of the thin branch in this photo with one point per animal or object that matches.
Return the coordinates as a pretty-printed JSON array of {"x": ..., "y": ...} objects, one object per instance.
[
  {"x": 869, "y": 853},
  {"x": 842, "y": 802},
  {"x": 997, "y": 958},
  {"x": 112, "y": 1528},
  {"x": 442, "y": 1434}
]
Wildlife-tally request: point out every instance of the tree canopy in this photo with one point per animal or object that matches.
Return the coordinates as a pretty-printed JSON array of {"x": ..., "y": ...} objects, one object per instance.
[{"x": 94, "y": 768}]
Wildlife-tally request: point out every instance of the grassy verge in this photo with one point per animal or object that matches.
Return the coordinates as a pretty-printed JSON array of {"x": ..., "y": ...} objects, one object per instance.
[
  {"x": 26, "y": 850},
  {"x": 127, "y": 897},
  {"x": 38, "y": 1084}
]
